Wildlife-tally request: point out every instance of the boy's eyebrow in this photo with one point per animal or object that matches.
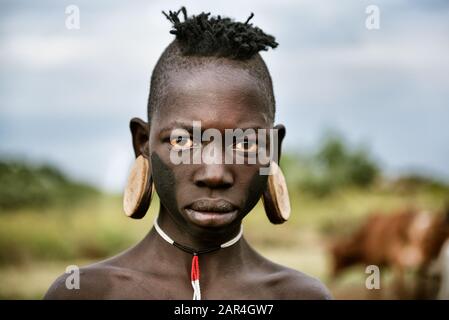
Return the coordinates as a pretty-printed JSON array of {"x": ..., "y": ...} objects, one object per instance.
[
  {"x": 188, "y": 126},
  {"x": 178, "y": 124}
]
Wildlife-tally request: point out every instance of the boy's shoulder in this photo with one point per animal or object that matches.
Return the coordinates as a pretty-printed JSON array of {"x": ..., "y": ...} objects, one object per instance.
[
  {"x": 292, "y": 284},
  {"x": 299, "y": 285},
  {"x": 96, "y": 281}
]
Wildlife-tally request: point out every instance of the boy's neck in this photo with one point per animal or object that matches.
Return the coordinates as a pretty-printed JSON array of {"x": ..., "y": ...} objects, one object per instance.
[
  {"x": 212, "y": 264},
  {"x": 195, "y": 238}
]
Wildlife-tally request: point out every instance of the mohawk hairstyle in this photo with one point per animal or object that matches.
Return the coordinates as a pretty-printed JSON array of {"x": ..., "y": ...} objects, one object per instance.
[
  {"x": 222, "y": 37},
  {"x": 204, "y": 39}
]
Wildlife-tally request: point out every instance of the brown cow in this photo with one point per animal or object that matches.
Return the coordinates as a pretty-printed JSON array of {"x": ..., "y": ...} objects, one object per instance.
[{"x": 406, "y": 240}]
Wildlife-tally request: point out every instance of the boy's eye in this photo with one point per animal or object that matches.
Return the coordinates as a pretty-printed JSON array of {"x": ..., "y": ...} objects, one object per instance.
[
  {"x": 181, "y": 143},
  {"x": 246, "y": 146}
]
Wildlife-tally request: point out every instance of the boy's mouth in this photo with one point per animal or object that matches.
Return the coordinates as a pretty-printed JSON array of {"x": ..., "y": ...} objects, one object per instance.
[{"x": 211, "y": 212}]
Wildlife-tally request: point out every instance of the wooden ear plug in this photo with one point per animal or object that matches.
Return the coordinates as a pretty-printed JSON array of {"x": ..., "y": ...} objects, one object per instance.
[
  {"x": 139, "y": 189},
  {"x": 275, "y": 198}
]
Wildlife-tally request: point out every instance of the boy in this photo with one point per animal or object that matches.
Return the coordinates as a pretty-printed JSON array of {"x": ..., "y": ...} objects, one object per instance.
[{"x": 211, "y": 73}]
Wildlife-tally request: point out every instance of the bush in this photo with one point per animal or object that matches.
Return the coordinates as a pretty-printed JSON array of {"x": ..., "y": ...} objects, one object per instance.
[
  {"x": 24, "y": 185},
  {"x": 333, "y": 165},
  {"x": 345, "y": 166}
]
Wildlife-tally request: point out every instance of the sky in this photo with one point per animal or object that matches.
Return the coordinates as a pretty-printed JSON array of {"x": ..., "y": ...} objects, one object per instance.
[{"x": 66, "y": 95}]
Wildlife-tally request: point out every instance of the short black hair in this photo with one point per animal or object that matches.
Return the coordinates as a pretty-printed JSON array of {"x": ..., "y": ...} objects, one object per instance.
[{"x": 203, "y": 39}]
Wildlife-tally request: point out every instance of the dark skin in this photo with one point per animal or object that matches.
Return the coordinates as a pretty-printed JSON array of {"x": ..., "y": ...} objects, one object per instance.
[{"x": 221, "y": 97}]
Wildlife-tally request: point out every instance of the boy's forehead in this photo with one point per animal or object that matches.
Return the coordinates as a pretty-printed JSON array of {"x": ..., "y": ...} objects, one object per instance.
[
  {"x": 214, "y": 78},
  {"x": 220, "y": 93}
]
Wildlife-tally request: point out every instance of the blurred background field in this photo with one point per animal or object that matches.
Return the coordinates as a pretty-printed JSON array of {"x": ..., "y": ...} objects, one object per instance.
[{"x": 58, "y": 222}]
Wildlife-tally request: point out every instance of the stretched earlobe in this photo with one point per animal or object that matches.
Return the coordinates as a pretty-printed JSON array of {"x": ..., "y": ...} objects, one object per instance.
[
  {"x": 139, "y": 189},
  {"x": 275, "y": 198},
  {"x": 281, "y": 135},
  {"x": 140, "y": 136}
]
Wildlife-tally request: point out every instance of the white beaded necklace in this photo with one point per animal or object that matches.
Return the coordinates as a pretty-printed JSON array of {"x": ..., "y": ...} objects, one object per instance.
[{"x": 195, "y": 271}]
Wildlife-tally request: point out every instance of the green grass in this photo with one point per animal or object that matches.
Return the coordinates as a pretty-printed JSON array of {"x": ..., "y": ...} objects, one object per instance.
[{"x": 36, "y": 245}]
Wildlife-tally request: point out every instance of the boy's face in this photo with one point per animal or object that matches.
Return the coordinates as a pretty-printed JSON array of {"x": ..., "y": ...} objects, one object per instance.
[{"x": 217, "y": 194}]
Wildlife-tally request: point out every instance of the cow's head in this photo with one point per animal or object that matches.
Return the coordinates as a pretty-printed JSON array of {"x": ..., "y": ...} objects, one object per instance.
[{"x": 425, "y": 237}]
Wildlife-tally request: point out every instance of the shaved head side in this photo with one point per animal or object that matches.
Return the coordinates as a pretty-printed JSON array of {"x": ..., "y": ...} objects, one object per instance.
[{"x": 212, "y": 42}]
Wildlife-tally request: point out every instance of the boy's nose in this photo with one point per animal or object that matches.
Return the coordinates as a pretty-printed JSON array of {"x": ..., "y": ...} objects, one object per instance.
[
  {"x": 214, "y": 176},
  {"x": 213, "y": 172}
]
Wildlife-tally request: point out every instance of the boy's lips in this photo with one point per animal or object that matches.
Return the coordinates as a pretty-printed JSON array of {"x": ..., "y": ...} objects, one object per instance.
[
  {"x": 212, "y": 205},
  {"x": 211, "y": 212}
]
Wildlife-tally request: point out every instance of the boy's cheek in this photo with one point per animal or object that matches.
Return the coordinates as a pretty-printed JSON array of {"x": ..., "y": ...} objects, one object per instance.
[
  {"x": 164, "y": 178},
  {"x": 255, "y": 185}
]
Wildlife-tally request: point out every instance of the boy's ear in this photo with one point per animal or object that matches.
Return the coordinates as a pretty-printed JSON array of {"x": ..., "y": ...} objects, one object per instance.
[
  {"x": 140, "y": 132},
  {"x": 281, "y": 135}
]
